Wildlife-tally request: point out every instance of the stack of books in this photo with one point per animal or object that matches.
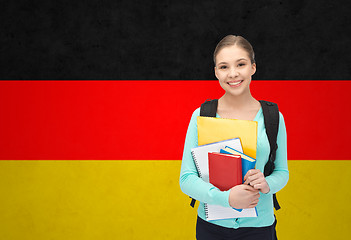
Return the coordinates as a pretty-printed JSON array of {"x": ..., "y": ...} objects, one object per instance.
[{"x": 226, "y": 151}]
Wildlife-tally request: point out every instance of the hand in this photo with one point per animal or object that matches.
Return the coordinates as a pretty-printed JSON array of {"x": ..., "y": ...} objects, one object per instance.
[
  {"x": 256, "y": 179},
  {"x": 243, "y": 196}
]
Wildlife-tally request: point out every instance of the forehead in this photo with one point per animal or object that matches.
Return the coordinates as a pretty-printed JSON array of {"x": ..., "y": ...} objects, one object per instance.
[{"x": 231, "y": 53}]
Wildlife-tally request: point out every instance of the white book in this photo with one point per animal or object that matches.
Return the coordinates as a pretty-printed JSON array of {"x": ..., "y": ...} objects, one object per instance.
[{"x": 216, "y": 212}]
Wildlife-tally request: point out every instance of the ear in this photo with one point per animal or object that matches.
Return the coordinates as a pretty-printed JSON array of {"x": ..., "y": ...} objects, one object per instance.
[
  {"x": 215, "y": 70},
  {"x": 253, "y": 67}
]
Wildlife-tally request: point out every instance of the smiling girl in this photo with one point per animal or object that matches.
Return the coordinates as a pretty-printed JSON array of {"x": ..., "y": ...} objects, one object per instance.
[{"x": 234, "y": 66}]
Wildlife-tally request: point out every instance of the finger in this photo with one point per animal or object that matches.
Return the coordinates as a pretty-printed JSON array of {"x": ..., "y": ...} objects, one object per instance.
[
  {"x": 253, "y": 190},
  {"x": 252, "y": 205},
  {"x": 257, "y": 186},
  {"x": 257, "y": 181},
  {"x": 256, "y": 195},
  {"x": 251, "y": 172},
  {"x": 248, "y": 179},
  {"x": 253, "y": 178},
  {"x": 248, "y": 187},
  {"x": 264, "y": 188},
  {"x": 246, "y": 176}
]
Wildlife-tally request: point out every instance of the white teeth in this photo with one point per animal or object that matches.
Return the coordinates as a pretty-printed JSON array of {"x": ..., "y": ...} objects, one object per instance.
[{"x": 234, "y": 83}]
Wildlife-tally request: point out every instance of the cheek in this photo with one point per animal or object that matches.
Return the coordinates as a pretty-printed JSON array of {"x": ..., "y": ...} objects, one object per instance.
[
  {"x": 220, "y": 76},
  {"x": 222, "y": 84},
  {"x": 248, "y": 73}
]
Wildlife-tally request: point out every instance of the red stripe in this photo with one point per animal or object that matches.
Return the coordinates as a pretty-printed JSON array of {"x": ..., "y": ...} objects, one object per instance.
[{"x": 148, "y": 119}]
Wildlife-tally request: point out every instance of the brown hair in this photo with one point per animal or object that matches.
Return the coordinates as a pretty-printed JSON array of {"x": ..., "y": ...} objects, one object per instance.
[{"x": 232, "y": 40}]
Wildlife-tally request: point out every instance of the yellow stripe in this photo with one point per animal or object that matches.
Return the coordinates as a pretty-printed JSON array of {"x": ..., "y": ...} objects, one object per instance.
[
  {"x": 142, "y": 200},
  {"x": 315, "y": 203}
]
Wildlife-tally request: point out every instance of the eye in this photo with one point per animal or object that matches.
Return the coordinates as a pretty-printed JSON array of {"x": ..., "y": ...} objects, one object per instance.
[
  {"x": 241, "y": 64},
  {"x": 223, "y": 67}
]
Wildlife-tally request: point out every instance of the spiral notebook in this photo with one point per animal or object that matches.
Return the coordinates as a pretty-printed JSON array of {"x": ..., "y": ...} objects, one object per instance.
[
  {"x": 200, "y": 156},
  {"x": 216, "y": 212}
]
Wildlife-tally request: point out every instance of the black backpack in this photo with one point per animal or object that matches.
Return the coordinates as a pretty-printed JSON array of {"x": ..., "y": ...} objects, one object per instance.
[{"x": 271, "y": 121}]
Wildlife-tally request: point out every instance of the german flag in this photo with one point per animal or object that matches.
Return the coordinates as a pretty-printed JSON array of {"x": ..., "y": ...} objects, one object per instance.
[{"x": 96, "y": 99}]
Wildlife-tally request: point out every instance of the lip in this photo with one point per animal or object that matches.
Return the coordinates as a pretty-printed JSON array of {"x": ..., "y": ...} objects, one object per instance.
[{"x": 238, "y": 83}]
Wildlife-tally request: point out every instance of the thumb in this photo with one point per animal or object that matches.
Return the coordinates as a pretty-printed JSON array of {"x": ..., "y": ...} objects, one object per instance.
[{"x": 251, "y": 188}]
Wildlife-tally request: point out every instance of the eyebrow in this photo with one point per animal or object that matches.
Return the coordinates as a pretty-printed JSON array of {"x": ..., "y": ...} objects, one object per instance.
[{"x": 236, "y": 61}]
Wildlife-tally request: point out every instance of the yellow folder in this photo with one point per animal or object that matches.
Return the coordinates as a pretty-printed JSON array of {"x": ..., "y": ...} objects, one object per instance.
[{"x": 212, "y": 130}]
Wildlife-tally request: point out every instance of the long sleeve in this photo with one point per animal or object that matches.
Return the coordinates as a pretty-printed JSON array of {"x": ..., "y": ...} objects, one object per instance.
[
  {"x": 190, "y": 182},
  {"x": 280, "y": 176}
]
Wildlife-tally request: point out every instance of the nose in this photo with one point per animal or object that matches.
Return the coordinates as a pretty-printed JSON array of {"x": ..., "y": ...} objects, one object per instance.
[{"x": 233, "y": 73}]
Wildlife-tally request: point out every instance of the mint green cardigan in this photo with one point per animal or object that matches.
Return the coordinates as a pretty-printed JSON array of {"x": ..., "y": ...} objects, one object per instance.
[{"x": 192, "y": 185}]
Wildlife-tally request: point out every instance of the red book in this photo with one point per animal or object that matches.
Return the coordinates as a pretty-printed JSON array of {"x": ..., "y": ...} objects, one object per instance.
[{"x": 225, "y": 170}]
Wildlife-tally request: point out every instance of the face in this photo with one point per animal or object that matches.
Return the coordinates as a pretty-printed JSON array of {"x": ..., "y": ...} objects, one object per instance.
[{"x": 234, "y": 70}]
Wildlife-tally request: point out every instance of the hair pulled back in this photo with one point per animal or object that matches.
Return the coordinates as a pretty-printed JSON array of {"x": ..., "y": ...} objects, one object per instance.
[{"x": 232, "y": 40}]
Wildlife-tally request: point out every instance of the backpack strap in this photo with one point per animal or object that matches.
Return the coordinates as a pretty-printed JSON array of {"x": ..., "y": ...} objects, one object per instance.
[
  {"x": 271, "y": 122},
  {"x": 207, "y": 109}
]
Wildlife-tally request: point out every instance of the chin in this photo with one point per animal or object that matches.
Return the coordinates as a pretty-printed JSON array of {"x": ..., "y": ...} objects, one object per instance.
[{"x": 235, "y": 93}]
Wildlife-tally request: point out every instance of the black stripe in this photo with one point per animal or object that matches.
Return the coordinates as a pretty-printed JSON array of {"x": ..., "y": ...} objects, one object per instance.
[{"x": 164, "y": 40}]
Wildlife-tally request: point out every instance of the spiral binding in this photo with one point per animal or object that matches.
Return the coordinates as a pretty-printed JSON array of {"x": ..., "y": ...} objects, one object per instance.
[
  {"x": 206, "y": 211},
  {"x": 196, "y": 163}
]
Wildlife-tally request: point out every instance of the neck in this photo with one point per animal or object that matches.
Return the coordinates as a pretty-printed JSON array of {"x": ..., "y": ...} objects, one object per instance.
[{"x": 238, "y": 102}]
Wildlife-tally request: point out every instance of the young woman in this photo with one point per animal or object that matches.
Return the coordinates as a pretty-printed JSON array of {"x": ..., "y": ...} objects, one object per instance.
[{"x": 234, "y": 66}]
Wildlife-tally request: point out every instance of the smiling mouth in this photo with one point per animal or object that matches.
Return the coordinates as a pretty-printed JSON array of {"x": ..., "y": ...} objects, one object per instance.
[{"x": 235, "y": 84}]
